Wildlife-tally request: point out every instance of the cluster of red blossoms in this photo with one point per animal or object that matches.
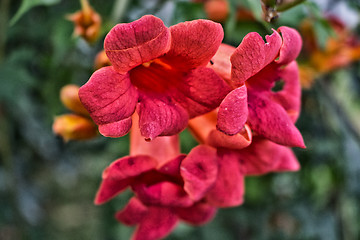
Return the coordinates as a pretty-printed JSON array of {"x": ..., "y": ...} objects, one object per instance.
[{"x": 164, "y": 79}]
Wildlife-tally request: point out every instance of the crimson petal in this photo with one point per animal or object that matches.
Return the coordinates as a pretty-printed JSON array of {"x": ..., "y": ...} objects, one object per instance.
[
  {"x": 201, "y": 91},
  {"x": 129, "y": 167},
  {"x": 160, "y": 116},
  {"x": 133, "y": 213},
  {"x": 157, "y": 224},
  {"x": 172, "y": 167},
  {"x": 120, "y": 174},
  {"x": 116, "y": 129},
  {"x": 291, "y": 46},
  {"x": 269, "y": 119},
  {"x": 193, "y": 43},
  {"x": 198, "y": 214},
  {"x": 109, "y": 97},
  {"x": 128, "y": 45},
  {"x": 233, "y": 111},
  {"x": 164, "y": 194},
  {"x": 252, "y": 55},
  {"x": 199, "y": 171},
  {"x": 228, "y": 190},
  {"x": 109, "y": 188},
  {"x": 264, "y": 156}
]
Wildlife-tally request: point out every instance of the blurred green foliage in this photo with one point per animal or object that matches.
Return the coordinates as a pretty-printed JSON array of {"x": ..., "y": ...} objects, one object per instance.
[{"x": 47, "y": 186}]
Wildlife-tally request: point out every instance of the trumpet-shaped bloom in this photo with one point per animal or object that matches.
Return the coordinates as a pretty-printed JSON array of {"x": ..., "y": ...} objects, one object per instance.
[
  {"x": 165, "y": 191},
  {"x": 168, "y": 186},
  {"x": 255, "y": 67},
  {"x": 237, "y": 156},
  {"x": 161, "y": 71}
]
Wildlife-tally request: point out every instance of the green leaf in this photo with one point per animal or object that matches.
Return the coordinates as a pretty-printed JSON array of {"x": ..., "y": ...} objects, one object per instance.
[{"x": 26, "y": 5}]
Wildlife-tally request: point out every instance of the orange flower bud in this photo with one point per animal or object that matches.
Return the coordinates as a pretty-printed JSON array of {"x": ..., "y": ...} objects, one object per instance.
[
  {"x": 69, "y": 96},
  {"x": 87, "y": 22},
  {"x": 101, "y": 60},
  {"x": 217, "y": 10},
  {"x": 74, "y": 127}
]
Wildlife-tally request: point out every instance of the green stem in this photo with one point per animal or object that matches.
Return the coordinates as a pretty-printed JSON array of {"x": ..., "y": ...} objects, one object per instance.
[
  {"x": 118, "y": 10},
  {"x": 4, "y": 18}
]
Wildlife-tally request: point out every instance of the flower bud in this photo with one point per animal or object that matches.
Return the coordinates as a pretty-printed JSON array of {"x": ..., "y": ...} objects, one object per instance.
[
  {"x": 87, "y": 22},
  {"x": 74, "y": 127},
  {"x": 70, "y": 98},
  {"x": 101, "y": 60}
]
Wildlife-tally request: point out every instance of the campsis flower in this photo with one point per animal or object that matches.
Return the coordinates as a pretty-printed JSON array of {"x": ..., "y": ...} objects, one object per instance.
[
  {"x": 168, "y": 186},
  {"x": 255, "y": 67},
  {"x": 161, "y": 71},
  {"x": 238, "y": 156}
]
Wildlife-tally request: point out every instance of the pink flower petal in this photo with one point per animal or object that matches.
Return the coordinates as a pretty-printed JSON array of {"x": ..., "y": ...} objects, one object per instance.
[
  {"x": 291, "y": 46},
  {"x": 116, "y": 129},
  {"x": 199, "y": 171},
  {"x": 157, "y": 224},
  {"x": 129, "y": 167},
  {"x": 220, "y": 62},
  {"x": 172, "y": 167},
  {"x": 233, "y": 111},
  {"x": 120, "y": 174},
  {"x": 269, "y": 119},
  {"x": 133, "y": 213},
  {"x": 201, "y": 91},
  {"x": 252, "y": 55},
  {"x": 194, "y": 43},
  {"x": 110, "y": 188},
  {"x": 238, "y": 141},
  {"x": 198, "y": 214},
  {"x": 290, "y": 96},
  {"x": 128, "y": 45},
  {"x": 228, "y": 190},
  {"x": 160, "y": 117},
  {"x": 288, "y": 161},
  {"x": 163, "y": 193},
  {"x": 264, "y": 156},
  {"x": 108, "y": 96}
]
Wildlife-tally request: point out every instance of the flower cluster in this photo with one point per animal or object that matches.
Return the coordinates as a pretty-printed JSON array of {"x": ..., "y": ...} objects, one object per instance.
[{"x": 162, "y": 80}]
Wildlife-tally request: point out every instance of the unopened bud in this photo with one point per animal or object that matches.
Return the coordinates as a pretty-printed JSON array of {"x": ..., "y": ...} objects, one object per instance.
[{"x": 74, "y": 127}]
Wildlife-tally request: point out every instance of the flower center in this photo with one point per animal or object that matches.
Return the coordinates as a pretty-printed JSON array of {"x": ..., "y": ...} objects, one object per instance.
[{"x": 155, "y": 76}]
